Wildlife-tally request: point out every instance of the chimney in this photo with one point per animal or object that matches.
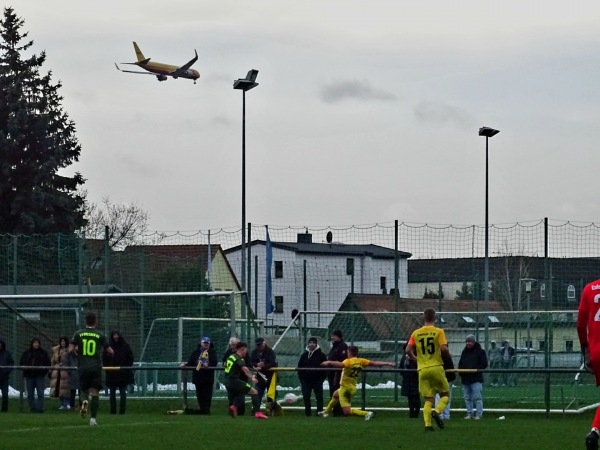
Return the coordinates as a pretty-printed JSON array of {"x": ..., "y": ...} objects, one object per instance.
[{"x": 304, "y": 238}]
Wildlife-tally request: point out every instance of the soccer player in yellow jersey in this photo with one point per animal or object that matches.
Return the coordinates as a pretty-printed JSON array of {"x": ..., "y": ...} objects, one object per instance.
[
  {"x": 427, "y": 345},
  {"x": 352, "y": 366}
]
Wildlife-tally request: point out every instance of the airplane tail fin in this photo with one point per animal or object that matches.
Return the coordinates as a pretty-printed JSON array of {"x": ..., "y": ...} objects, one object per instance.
[{"x": 140, "y": 56}]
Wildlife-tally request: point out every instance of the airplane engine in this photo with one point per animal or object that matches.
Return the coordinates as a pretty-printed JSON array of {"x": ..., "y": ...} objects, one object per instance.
[{"x": 161, "y": 77}]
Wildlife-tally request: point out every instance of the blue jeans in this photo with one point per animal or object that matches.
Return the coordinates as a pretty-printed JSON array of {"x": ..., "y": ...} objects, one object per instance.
[
  {"x": 35, "y": 384},
  {"x": 473, "y": 399}
]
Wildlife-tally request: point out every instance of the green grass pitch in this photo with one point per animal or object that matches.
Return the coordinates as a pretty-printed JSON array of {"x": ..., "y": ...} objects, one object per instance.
[{"x": 147, "y": 426}]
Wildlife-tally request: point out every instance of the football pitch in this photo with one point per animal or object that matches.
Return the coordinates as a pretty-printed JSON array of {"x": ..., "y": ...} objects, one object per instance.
[{"x": 147, "y": 426}]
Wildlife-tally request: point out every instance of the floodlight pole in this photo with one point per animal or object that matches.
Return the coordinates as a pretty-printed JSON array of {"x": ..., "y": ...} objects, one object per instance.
[
  {"x": 488, "y": 133},
  {"x": 244, "y": 84}
]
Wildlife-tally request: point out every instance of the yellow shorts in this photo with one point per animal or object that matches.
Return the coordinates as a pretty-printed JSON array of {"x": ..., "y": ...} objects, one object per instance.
[
  {"x": 345, "y": 394},
  {"x": 432, "y": 380}
]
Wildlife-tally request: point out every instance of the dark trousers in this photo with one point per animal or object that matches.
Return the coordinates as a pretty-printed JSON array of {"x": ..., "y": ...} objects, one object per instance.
[
  {"x": 204, "y": 394},
  {"x": 414, "y": 405},
  {"x": 4, "y": 390},
  {"x": 73, "y": 397},
  {"x": 35, "y": 385},
  {"x": 307, "y": 388},
  {"x": 112, "y": 391}
]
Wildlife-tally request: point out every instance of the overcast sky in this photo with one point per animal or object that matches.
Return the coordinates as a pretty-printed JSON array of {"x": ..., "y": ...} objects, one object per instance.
[{"x": 366, "y": 112}]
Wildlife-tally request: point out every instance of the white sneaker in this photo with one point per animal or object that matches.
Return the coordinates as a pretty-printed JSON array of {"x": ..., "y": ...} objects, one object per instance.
[
  {"x": 93, "y": 422},
  {"x": 477, "y": 417},
  {"x": 468, "y": 417},
  {"x": 369, "y": 415},
  {"x": 61, "y": 407},
  {"x": 323, "y": 414},
  {"x": 68, "y": 407}
]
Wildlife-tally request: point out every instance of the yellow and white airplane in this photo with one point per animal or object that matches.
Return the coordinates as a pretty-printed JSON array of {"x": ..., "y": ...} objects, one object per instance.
[{"x": 162, "y": 71}]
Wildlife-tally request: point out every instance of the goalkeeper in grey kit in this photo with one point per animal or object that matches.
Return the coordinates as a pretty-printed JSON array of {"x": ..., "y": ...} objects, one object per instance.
[{"x": 236, "y": 388}]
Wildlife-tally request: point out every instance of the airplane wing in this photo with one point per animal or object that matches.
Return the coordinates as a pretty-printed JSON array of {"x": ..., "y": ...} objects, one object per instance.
[
  {"x": 185, "y": 66},
  {"x": 134, "y": 71}
]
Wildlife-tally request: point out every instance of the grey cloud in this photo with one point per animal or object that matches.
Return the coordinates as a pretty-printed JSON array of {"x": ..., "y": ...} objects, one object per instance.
[
  {"x": 440, "y": 113},
  {"x": 353, "y": 89}
]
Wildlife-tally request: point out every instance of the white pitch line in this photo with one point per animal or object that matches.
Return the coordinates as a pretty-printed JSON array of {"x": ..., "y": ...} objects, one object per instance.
[{"x": 84, "y": 424}]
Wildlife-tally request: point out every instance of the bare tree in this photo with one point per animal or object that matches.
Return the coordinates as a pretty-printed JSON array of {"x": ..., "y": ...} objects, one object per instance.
[{"x": 127, "y": 223}]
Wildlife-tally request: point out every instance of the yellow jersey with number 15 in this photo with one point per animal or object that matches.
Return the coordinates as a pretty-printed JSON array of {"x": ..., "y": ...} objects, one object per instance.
[
  {"x": 427, "y": 341},
  {"x": 352, "y": 369}
]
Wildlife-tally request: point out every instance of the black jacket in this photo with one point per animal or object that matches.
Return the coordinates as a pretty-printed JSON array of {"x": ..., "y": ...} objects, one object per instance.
[
  {"x": 5, "y": 360},
  {"x": 410, "y": 380},
  {"x": 38, "y": 357},
  {"x": 312, "y": 360},
  {"x": 123, "y": 357},
  {"x": 203, "y": 376},
  {"x": 267, "y": 356},
  {"x": 474, "y": 358},
  {"x": 338, "y": 352}
]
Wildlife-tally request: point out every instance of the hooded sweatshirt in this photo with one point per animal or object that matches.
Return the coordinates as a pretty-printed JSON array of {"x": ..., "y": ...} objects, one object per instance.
[
  {"x": 35, "y": 357},
  {"x": 472, "y": 358},
  {"x": 312, "y": 360}
]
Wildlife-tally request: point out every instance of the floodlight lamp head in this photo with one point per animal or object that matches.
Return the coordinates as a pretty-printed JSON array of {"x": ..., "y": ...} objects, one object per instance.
[
  {"x": 488, "y": 132},
  {"x": 245, "y": 84}
]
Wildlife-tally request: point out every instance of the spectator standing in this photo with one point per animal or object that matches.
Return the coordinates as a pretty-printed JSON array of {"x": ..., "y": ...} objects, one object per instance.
[
  {"x": 338, "y": 352},
  {"x": 410, "y": 385},
  {"x": 59, "y": 379},
  {"x": 69, "y": 360},
  {"x": 6, "y": 359},
  {"x": 35, "y": 379},
  {"x": 494, "y": 358},
  {"x": 473, "y": 357},
  {"x": 122, "y": 378},
  {"x": 507, "y": 355},
  {"x": 262, "y": 359},
  {"x": 203, "y": 359},
  {"x": 312, "y": 380}
]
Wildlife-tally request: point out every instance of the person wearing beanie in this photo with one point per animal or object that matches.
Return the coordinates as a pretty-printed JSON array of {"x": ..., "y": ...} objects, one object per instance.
[
  {"x": 338, "y": 352},
  {"x": 473, "y": 357},
  {"x": 202, "y": 359},
  {"x": 312, "y": 380}
]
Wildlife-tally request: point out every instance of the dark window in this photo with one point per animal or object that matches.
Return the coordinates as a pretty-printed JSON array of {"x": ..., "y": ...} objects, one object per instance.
[
  {"x": 542, "y": 346},
  {"x": 382, "y": 283},
  {"x": 278, "y": 303},
  {"x": 278, "y": 269},
  {"x": 569, "y": 346}
]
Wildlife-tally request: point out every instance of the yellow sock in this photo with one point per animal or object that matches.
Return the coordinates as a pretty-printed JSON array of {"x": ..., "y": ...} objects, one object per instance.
[
  {"x": 358, "y": 412},
  {"x": 441, "y": 404},
  {"x": 427, "y": 407},
  {"x": 334, "y": 401}
]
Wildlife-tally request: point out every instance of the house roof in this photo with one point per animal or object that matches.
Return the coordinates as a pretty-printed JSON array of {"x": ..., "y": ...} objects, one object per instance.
[
  {"x": 387, "y": 326},
  {"x": 332, "y": 249},
  {"x": 182, "y": 252}
]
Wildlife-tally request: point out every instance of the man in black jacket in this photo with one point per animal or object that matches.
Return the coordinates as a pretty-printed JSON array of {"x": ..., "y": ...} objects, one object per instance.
[
  {"x": 312, "y": 380},
  {"x": 5, "y": 360},
  {"x": 338, "y": 352},
  {"x": 35, "y": 379},
  {"x": 473, "y": 357},
  {"x": 262, "y": 359},
  {"x": 203, "y": 358}
]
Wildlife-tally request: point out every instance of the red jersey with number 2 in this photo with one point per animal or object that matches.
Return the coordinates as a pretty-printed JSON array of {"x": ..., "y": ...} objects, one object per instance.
[{"x": 588, "y": 324}]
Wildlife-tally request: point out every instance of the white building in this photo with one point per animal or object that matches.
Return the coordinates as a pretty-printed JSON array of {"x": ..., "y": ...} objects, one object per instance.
[{"x": 317, "y": 276}]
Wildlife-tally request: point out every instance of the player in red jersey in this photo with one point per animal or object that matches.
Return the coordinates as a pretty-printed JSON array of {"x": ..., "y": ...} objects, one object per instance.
[{"x": 588, "y": 329}]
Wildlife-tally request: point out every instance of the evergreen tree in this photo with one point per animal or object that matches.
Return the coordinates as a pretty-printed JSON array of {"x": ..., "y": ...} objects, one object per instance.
[{"x": 37, "y": 139}]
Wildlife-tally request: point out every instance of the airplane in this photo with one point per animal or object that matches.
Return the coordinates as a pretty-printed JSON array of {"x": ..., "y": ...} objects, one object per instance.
[{"x": 162, "y": 71}]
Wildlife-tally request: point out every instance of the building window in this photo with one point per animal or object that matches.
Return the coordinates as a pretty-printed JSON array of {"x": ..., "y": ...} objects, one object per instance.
[
  {"x": 382, "y": 285},
  {"x": 528, "y": 344},
  {"x": 542, "y": 346},
  {"x": 569, "y": 346},
  {"x": 278, "y": 269},
  {"x": 278, "y": 304}
]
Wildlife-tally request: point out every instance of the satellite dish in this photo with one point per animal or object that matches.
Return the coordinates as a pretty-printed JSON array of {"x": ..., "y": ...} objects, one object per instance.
[{"x": 329, "y": 237}]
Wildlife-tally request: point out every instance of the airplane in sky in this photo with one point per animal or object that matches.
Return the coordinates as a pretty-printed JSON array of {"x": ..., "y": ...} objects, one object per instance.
[{"x": 162, "y": 71}]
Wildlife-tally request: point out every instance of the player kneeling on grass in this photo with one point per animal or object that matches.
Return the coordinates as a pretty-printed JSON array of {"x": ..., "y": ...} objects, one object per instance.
[
  {"x": 236, "y": 388},
  {"x": 352, "y": 366}
]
